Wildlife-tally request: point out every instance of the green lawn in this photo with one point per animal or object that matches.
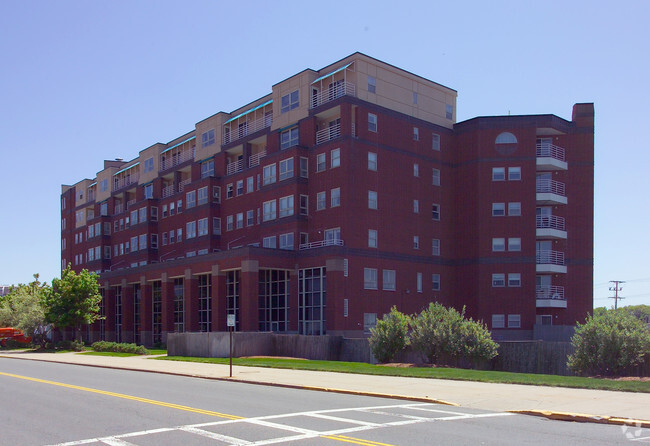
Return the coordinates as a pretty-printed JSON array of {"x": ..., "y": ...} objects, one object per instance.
[{"x": 430, "y": 372}]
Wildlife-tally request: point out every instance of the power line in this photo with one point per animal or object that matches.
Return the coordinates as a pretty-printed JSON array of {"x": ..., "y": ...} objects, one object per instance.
[{"x": 616, "y": 288}]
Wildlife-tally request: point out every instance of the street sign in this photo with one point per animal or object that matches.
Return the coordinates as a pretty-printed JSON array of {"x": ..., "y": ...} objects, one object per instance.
[{"x": 231, "y": 320}]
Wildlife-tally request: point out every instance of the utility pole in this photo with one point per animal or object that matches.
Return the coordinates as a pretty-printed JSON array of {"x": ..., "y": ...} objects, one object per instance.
[{"x": 616, "y": 288}]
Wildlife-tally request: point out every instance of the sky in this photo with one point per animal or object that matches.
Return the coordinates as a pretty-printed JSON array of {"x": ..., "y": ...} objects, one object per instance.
[{"x": 85, "y": 81}]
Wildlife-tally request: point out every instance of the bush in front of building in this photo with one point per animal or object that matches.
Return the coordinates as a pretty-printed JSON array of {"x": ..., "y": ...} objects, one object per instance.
[
  {"x": 609, "y": 343},
  {"x": 390, "y": 335},
  {"x": 116, "y": 347},
  {"x": 75, "y": 346}
]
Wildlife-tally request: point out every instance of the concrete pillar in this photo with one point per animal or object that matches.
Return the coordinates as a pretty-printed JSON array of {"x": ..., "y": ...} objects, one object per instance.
[
  {"x": 248, "y": 296},
  {"x": 127, "y": 312}
]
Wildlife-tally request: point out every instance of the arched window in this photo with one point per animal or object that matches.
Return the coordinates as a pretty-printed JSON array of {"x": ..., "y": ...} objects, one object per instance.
[{"x": 506, "y": 138}]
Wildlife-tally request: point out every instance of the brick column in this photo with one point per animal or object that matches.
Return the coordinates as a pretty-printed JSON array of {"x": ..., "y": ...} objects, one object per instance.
[
  {"x": 191, "y": 301},
  {"x": 218, "y": 299},
  {"x": 248, "y": 296},
  {"x": 127, "y": 312},
  {"x": 146, "y": 317},
  {"x": 167, "y": 292},
  {"x": 334, "y": 320}
]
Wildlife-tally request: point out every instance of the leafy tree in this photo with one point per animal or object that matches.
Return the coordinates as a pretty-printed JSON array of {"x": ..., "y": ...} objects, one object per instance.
[
  {"x": 390, "y": 336},
  {"x": 23, "y": 308},
  {"x": 610, "y": 343},
  {"x": 73, "y": 300}
]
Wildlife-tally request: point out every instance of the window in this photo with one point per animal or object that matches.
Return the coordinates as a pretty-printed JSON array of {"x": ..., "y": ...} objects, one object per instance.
[
  {"x": 289, "y": 101},
  {"x": 498, "y": 174},
  {"x": 269, "y": 242},
  {"x": 134, "y": 243},
  {"x": 207, "y": 138},
  {"x": 269, "y": 210},
  {"x": 148, "y": 191},
  {"x": 372, "y": 122},
  {"x": 498, "y": 244},
  {"x": 332, "y": 235},
  {"x": 416, "y": 242},
  {"x": 435, "y": 212},
  {"x": 179, "y": 206},
  {"x": 372, "y": 238},
  {"x": 416, "y": 206},
  {"x": 372, "y": 84},
  {"x": 286, "y": 241},
  {"x": 372, "y": 199},
  {"x": 269, "y": 174},
  {"x": 148, "y": 165},
  {"x": 498, "y": 280},
  {"x": 416, "y": 133},
  {"x": 230, "y": 223},
  {"x": 435, "y": 144},
  {"x": 103, "y": 185},
  {"x": 239, "y": 220},
  {"x": 506, "y": 138},
  {"x": 514, "y": 173},
  {"x": 372, "y": 161},
  {"x": 498, "y": 321},
  {"x": 165, "y": 239},
  {"x": 320, "y": 201},
  {"x": 154, "y": 241},
  {"x": 289, "y": 138},
  {"x": 514, "y": 208},
  {"x": 449, "y": 111},
  {"x": 143, "y": 215},
  {"x": 416, "y": 170},
  {"x": 250, "y": 185},
  {"x": 304, "y": 167},
  {"x": 172, "y": 236},
  {"x": 370, "y": 278},
  {"x": 179, "y": 235},
  {"x": 320, "y": 162},
  {"x": 216, "y": 226},
  {"x": 143, "y": 241},
  {"x": 514, "y": 244},
  {"x": 103, "y": 210},
  {"x": 435, "y": 247},
  {"x": 514, "y": 280},
  {"x": 286, "y": 206},
  {"x": 240, "y": 188},
  {"x": 415, "y": 97},
  {"x": 388, "y": 279},
  {"x": 435, "y": 282},
  {"x": 207, "y": 169},
  {"x": 154, "y": 213},
  {"x": 190, "y": 199},
  {"x": 304, "y": 205},
  {"x": 335, "y": 158},
  {"x": 514, "y": 321},
  {"x": 418, "y": 282},
  {"x": 190, "y": 229},
  {"x": 335, "y": 197},
  {"x": 216, "y": 194},
  {"x": 286, "y": 169},
  {"x": 202, "y": 194},
  {"x": 436, "y": 177},
  {"x": 250, "y": 218},
  {"x": 498, "y": 209},
  {"x": 172, "y": 208}
]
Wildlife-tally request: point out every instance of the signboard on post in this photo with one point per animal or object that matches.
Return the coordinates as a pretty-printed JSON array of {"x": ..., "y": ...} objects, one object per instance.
[
  {"x": 231, "y": 326},
  {"x": 231, "y": 320}
]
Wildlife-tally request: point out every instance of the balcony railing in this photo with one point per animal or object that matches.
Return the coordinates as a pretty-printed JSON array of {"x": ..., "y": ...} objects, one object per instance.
[
  {"x": 550, "y": 222},
  {"x": 549, "y": 292},
  {"x": 335, "y": 92},
  {"x": 168, "y": 191},
  {"x": 549, "y": 257},
  {"x": 320, "y": 244},
  {"x": 130, "y": 203},
  {"x": 246, "y": 129},
  {"x": 119, "y": 183},
  {"x": 254, "y": 160},
  {"x": 328, "y": 133},
  {"x": 234, "y": 167},
  {"x": 545, "y": 150},
  {"x": 182, "y": 184},
  {"x": 176, "y": 159},
  {"x": 544, "y": 185}
]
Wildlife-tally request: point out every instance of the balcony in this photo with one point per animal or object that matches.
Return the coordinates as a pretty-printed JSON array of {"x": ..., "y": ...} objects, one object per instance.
[
  {"x": 328, "y": 133},
  {"x": 234, "y": 167},
  {"x": 175, "y": 159},
  {"x": 550, "y": 157},
  {"x": 550, "y": 296},
  {"x": 334, "y": 92},
  {"x": 254, "y": 159},
  {"x": 549, "y": 261},
  {"x": 127, "y": 180},
  {"x": 550, "y": 226},
  {"x": 550, "y": 191},
  {"x": 246, "y": 128},
  {"x": 320, "y": 244},
  {"x": 182, "y": 184}
]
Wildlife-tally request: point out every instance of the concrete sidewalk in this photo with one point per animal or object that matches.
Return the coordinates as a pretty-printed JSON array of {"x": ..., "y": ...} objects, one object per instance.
[{"x": 554, "y": 402}]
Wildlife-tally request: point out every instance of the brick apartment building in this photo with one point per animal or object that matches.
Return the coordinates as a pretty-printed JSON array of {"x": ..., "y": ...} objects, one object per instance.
[{"x": 341, "y": 193}]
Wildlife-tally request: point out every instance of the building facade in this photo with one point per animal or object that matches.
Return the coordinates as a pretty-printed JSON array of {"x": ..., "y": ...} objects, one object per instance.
[{"x": 343, "y": 192}]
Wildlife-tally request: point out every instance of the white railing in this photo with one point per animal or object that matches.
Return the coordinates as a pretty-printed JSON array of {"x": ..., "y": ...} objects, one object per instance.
[
  {"x": 354, "y": 130},
  {"x": 176, "y": 158},
  {"x": 168, "y": 191},
  {"x": 546, "y": 257},
  {"x": 549, "y": 292},
  {"x": 254, "y": 160},
  {"x": 328, "y": 133},
  {"x": 544, "y": 185},
  {"x": 335, "y": 92},
  {"x": 119, "y": 183},
  {"x": 546, "y": 150},
  {"x": 550, "y": 222},
  {"x": 249, "y": 127},
  {"x": 182, "y": 184},
  {"x": 320, "y": 244},
  {"x": 130, "y": 203},
  {"x": 234, "y": 167},
  {"x": 119, "y": 208}
]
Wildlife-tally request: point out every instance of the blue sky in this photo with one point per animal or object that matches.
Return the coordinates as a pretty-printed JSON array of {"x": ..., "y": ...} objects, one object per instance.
[{"x": 86, "y": 81}]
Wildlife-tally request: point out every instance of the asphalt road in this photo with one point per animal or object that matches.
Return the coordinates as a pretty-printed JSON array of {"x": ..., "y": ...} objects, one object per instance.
[{"x": 49, "y": 403}]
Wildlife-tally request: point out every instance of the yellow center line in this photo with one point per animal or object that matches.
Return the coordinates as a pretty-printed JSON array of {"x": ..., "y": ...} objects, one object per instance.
[
  {"x": 127, "y": 397},
  {"x": 354, "y": 440}
]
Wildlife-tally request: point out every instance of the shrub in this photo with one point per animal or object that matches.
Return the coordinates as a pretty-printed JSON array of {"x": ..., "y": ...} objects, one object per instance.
[
  {"x": 390, "y": 336},
  {"x": 75, "y": 346},
  {"x": 610, "y": 343},
  {"x": 103, "y": 346}
]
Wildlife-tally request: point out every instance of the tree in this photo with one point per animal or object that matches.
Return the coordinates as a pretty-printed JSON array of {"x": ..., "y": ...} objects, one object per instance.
[
  {"x": 390, "y": 336},
  {"x": 23, "y": 308},
  {"x": 609, "y": 343},
  {"x": 73, "y": 300}
]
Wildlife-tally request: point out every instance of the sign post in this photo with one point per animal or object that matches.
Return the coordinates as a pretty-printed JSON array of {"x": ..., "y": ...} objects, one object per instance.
[{"x": 231, "y": 327}]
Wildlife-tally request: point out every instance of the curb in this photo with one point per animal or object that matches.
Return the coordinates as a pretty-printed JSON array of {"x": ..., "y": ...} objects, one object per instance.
[{"x": 583, "y": 418}]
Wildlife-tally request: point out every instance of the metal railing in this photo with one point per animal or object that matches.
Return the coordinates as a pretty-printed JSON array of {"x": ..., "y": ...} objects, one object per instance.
[
  {"x": 328, "y": 133},
  {"x": 549, "y": 257},
  {"x": 182, "y": 184},
  {"x": 119, "y": 183},
  {"x": 176, "y": 158},
  {"x": 168, "y": 191},
  {"x": 130, "y": 203},
  {"x": 546, "y": 150},
  {"x": 254, "y": 160},
  {"x": 550, "y": 222},
  {"x": 246, "y": 129},
  {"x": 335, "y": 92},
  {"x": 234, "y": 167},
  {"x": 320, "y": 244},
  {"x": 549, "y": 292},
  {"x": 544, "y": 185}
]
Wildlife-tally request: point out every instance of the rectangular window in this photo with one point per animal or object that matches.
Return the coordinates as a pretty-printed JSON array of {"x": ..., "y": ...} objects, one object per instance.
[
  {"x": 514, "y": 321},
  {"x": 286, "y": 169},
  {"x": 435, "y": 144},
  {"x": 416, "y": 206},
  {"x": 269, "y": 210},
  {"x": 372, "y": 122},
  {"x": 435, "y": 247},
  {"x": 304, "y": 167},
  {"x": 332, "y": 236},
  {"x": 269, "y": 174},
  {"x": 203, "y": 227},
  {"x": 207, "y": 169},
  {"x": 172, "y": 236},
  {"x": 190, "y": 199},
  {"x": 269, "y": 242},
  {"x": 372, "y": 238},
  {"x": 372, "y": 199},
  {"x": 179, "y": 235},
  {"x": 304, "y": 205},
  {"x": 250, "y": 218},
  {"x": 435, "y": 282},
  {"x": 289, "y": 101},
  {"x": 498, "y": 244},
  {"x": 449, "y": 111},
  {"x": 179, "y": 206},
  {"x": 416, "y": 170},
  {"x": 514, "y": 244},
  {"x": 416, "y": 242},
  {"x": 416, "y": 132},
  {"x": 216, "y": 194},
  {"x": 335, "y": 158},
  {"x": 435, "y": 212},
  {"x": 514, "y": 208},
  {"x": 321, "y": 163},
  {"x": 498, "y": 280},
  {"x": 514, "y": 174},
  {"x": 335, "y": 197},
  {"x": 202, "y": 195},
  {"x": 134, "y": 243},
  {"x": 165, "y": 239},
  {"x": 498, "y": 174},
  {"x": 514, "y": 280},
  {"x": 370, "y": 278},
  {"x": 372, "y": 84},
  {"x": 372, "y": 161},
  {"x": 388, "y": 279},
  {"x": 250, "y": 185},
  {"x": 240, "y": 188},
  {"x": 172, "y": 208},
  {"x": 207, "y": 138},
  {"x": 418, "y": 282},
  {"x": 148, "y": 165},
  {"x": 286, "y": 206},
  {"x": 239, "y": 221},
  {"x": 498, "y": 321},
  {"x": 143, "y": 241},
  {"x": 230, "y": 223},
  {"x": 154, "y": 213},
  {"x": 216, "y": 225},
  {"x": 103, "y": 185},
  {"x": 286, "y": 241},
  {"x": 154, "y": 241},
  {"x": 498, "y": 209},
  {"x": 415, "y": 97},
  {"x": 321, "y": 202},
  {"x": 190, "y": 229},
  {"x": 143, "y": 215},
  {"x": 436, "y": 177},
  {"x": 289, "y": 138}
]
